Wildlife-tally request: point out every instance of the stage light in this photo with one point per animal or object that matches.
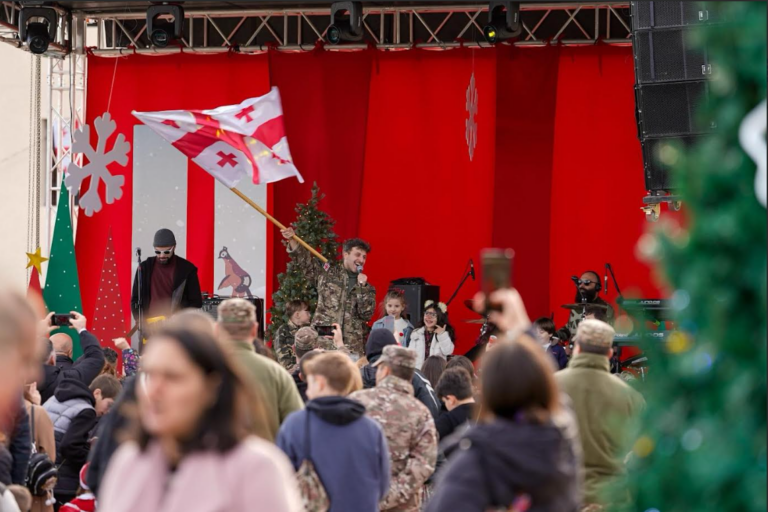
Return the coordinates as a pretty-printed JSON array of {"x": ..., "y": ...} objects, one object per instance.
[
  {"x": 503, "y": 21},
  {"x": 38, "y": 34},
  {"x": 162, "y": 32},
  {"x": 346, "y": 22}
]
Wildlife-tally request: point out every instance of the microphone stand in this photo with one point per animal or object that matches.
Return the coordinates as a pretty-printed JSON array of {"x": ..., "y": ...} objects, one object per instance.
[
  {"x": 139, "y": 276},
  {"x": 616, "y": 284},
  {"x": 456, "y": 292}
]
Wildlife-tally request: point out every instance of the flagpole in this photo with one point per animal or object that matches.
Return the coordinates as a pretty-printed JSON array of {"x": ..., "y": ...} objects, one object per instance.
[{"x": 278, "y": 224}]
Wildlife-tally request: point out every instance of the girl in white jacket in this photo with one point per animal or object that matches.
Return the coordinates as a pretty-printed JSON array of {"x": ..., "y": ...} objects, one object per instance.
[{"x": 435, "y": 336}]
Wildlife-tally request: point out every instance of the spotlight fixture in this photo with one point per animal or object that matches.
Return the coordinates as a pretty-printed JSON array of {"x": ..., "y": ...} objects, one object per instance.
[
  {"x": 160, "y": 31},
  {"x": 346, "y": 22},
  {"x": 37, "y": 34},
  {"x": 503, "y": 21}
]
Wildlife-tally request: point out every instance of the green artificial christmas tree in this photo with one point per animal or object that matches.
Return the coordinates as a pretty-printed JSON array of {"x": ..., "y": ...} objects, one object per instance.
[
  {"x": 62, "y": 286},
  {"x": 315, "y": 227},
  {"x": 703, "y": 435}
]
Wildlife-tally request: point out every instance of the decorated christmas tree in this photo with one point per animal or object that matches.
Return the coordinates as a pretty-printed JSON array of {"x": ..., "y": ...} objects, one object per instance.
[
  {"x": 702, "y": 445},
  {"x": 315, "y": 227}
]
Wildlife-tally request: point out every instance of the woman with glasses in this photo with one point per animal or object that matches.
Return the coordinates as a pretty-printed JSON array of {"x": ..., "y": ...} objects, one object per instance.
[{"x": 434, "y": 336}]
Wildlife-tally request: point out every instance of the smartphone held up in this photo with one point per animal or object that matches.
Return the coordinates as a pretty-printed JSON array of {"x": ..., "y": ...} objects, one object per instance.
[{"x": 496, "y": 274}]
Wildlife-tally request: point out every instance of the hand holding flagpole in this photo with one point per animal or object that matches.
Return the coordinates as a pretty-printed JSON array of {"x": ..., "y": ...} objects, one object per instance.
[
  {"x": 232, "y": 142},
  {"x": 279, "y": 224}
]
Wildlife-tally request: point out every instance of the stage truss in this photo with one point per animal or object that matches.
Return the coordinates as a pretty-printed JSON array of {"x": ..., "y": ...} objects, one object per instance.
[{"x": 122, "y": 28}]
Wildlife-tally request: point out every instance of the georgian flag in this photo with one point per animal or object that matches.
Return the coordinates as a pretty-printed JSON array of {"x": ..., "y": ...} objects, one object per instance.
[{"x": 232, "y": 141}]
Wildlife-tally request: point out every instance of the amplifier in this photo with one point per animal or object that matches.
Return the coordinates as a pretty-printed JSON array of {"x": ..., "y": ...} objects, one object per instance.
[{"x": 211, "y": 306}]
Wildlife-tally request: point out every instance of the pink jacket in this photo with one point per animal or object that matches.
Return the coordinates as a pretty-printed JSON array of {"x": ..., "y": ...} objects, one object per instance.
[{"x": 254, "y": 476}]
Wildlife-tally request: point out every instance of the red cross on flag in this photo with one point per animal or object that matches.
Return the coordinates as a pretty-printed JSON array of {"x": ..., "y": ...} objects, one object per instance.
[{"x": 232, "y": 141}]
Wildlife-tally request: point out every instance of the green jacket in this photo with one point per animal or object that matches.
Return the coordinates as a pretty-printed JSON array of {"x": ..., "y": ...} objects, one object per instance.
[
  {"x": 276, "y": 386},
  {"x": 605, "y": 408}
]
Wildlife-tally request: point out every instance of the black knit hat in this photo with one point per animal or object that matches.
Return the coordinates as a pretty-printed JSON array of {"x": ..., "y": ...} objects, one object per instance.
[
  {"x": 164, "y": 238},
  {"x": 377, "y": 340}
]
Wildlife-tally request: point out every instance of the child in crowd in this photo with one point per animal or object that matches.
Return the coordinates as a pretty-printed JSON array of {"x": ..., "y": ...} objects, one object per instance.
[
  {"x": 298, "y": 317},
  {"x": 392, "y": 309},
  {"x": 85, "y": 501},
  {"x": 110, "y": 362},
  {"x": 75, "y": 410},
  {"x": 435, "y": 336},
  {"x": 545, "y": 330}
]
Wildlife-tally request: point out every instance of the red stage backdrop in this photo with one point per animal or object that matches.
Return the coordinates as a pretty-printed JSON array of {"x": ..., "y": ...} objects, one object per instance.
[{"x": 556, "y": 173}]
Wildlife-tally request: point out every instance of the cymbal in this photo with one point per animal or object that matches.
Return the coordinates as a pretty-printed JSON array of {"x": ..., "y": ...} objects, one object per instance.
[
  {"x": 470, "y": 306},
  {"x": 582, "y": 305},
  {"x": 478, "y": 321}
]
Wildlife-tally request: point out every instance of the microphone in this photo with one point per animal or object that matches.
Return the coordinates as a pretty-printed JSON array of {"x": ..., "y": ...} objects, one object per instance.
[
  {"x": 359, "y": 269},
  {"x": 472, "y": 269},
  {"x": 575, "y": 280},
  {"x": 138, "y": 252},
  {"x": 605, "y": 288}
]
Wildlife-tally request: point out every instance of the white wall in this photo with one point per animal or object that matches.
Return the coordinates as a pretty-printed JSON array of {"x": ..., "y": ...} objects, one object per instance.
[{"x": 15, "y": 67}]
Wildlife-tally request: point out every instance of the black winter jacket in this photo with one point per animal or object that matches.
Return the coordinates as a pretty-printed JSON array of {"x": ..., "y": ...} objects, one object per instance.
[
  {"x": 494, "y": 464},
  {"x": 72, "y": 451},
  {"x": 111, "y": 426},
  {"x": 21, "y": 446},
  {"x": 185, "y": 282},
  {"x": 85, "y": 369}
]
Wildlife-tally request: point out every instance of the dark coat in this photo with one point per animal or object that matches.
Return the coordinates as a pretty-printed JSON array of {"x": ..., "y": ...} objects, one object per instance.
[
  {"x": 21, "y": 446},
  {"x": 72, "y": 449},
  {"x": 110, "y": 428},
  {"x": 85, "y": 369},
  {"x": 300, "y": 384},
  {"x": 448, "y": 421},
  {"x": 493, "y": 464},
  {"x": 185, "y": 276},
  {"x": 558, "y": 352},
  {"x": 422, "y": 389}
]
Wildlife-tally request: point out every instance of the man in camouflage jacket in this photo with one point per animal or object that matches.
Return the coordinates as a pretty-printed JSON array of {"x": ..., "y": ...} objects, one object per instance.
[
  {"x": 408, "y": 427},
  {"x": 344, "y": 295}
]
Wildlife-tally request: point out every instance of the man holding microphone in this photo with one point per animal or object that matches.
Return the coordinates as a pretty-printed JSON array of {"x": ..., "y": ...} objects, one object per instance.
[{"x": 344, "y": 295}]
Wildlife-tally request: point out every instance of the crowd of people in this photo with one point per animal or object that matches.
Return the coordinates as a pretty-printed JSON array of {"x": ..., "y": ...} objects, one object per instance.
[{"x": 386, "y": 418}]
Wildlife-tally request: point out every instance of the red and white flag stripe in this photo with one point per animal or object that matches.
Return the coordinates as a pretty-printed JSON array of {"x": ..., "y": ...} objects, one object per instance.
[{"x": 232, "y": 141}]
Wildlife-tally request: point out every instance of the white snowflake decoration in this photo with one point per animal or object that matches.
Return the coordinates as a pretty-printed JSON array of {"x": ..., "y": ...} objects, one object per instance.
[
  {"x": 471, "y": 124},
  {"x": 98, "y": 160},
  {"x": 752, "y": 138}
]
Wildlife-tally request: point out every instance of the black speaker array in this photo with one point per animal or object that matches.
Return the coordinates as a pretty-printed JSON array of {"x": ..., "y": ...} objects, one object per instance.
[{"x": 671, "y": 81}]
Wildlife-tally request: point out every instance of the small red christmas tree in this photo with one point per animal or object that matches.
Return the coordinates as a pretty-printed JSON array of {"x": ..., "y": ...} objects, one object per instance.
[{"x": 108, "y": 319}]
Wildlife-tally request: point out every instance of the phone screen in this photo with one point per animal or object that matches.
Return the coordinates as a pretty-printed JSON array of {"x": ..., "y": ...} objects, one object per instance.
[
  {"x": 324, "y": 330},
  {"x": 497, "y": 269},
  {"x": 497, "y": 273}
]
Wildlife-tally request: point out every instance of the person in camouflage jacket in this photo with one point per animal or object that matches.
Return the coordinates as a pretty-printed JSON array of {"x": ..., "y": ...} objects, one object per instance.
[
  {"x": 298, "y": 317},
  {"x": 408, "y": 427},
  {"x": 344, "y": 295}
]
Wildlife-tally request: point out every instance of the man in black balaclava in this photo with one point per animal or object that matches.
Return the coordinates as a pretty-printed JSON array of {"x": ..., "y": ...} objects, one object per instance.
[{"x": 168, "y": 281}]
